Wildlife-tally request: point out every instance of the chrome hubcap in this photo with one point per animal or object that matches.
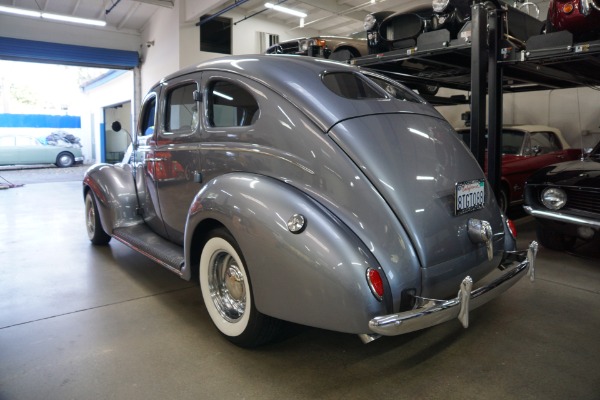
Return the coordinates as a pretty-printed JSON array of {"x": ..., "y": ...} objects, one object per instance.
[
  {"x": 226, "y": 281},
  {"x": 91, "y": 218}
]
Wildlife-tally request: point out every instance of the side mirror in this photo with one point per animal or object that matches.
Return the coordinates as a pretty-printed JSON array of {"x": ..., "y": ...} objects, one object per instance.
[{"x": 536, "y": 150}]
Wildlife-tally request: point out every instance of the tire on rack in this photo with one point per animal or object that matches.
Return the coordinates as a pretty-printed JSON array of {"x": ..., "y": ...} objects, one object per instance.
[
  {"x": 93, "y": 225},
  {"x": 343, "y": 55},
  {"x": 227, "y": 293},
  {"x": 553, "y": 240},
  {"x": 65, "y": 159}
]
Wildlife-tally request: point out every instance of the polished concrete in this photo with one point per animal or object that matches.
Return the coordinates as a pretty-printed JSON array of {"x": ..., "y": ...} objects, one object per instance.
[{"x": 85, "y": 322}]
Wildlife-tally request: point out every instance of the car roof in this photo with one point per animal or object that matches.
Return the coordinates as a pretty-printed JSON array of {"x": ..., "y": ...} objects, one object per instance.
[{"x": 298, "y": 78}]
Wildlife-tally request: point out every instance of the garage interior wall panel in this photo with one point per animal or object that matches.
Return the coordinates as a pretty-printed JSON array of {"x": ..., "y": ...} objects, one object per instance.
[{"x": 113, "y": 92}]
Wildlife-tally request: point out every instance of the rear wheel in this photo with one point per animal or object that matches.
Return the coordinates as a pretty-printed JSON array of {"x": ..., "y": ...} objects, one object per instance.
[
  {"x": 95, "y": 231},
  {"x": 503, "y": 200},
  {"x": 64, "y": 160},
  {"x": 554, "y": 240},
  {"x": 227, "y": 293}
]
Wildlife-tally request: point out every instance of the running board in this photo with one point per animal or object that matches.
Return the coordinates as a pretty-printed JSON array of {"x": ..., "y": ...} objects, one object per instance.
[{"x": 142, "y": 239}]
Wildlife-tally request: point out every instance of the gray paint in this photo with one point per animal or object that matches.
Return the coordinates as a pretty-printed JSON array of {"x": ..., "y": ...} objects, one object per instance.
[{"x": 350, "y": 166}]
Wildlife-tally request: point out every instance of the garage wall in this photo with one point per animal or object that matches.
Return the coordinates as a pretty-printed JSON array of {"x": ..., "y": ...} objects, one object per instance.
[
  {"x": 115, "y": 91},
  {"x": 177, "y": 40},
  {"x": 573, "y": 111}
]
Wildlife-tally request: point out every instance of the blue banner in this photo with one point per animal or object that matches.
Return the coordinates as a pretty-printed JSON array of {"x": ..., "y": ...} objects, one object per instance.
[{"x": 39, "y": 121}]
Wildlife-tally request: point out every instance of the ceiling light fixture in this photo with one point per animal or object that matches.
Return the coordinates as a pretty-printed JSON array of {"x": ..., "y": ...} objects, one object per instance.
[
  {"x": 286, "y": 10},
  {"x": 50, "y": 16}
]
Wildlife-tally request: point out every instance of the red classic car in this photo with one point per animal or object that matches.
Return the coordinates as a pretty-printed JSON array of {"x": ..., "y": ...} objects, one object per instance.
[
  {"x": 580, "y": 17},
  {"x": 526, "y": 149}
]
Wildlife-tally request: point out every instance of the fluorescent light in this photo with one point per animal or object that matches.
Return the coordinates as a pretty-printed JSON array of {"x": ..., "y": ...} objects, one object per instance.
[
  {"x": 55, "y": 17},
  {"x": 286, "y": 10},
  {"x": 20, "y": 11},
  {"x": 66, "y": 18}
]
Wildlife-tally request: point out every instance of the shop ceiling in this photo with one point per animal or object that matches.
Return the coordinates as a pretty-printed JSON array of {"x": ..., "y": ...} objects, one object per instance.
[{"x": 328, "y": 17}]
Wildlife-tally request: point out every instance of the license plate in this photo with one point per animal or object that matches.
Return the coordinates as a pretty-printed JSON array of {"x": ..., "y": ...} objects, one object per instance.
[{"x": 469, "y": 196}]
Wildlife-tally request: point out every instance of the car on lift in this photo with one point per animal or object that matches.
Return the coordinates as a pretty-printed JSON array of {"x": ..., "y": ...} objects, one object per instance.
[
  {"x": 401, "y": 30},
  {"x": 526, "y": 149},
  {"x": 564, "y": 199},
  {"x": 28, "y": 150},
  {"x": 339, "y": 48},
  {"x": 580, "y": 17},
  {"x": 303, "y": 190}
]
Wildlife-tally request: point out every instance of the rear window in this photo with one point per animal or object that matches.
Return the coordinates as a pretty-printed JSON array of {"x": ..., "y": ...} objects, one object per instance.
[
  {"x": 365, "y": 86},
  {"x": 351, "y": 86}
]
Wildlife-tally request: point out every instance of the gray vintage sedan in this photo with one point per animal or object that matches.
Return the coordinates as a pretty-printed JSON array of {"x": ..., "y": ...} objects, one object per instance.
[{"x": 309, "y": 191}]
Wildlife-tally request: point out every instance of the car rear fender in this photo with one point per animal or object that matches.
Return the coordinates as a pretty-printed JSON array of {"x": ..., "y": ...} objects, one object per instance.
[
  {"x": 113, "y": 187},
  {"x": 314, "y": 277}
]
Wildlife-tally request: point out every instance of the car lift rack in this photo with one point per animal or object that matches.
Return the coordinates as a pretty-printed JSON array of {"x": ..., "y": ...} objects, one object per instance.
[{"x": 485, "y": 63}]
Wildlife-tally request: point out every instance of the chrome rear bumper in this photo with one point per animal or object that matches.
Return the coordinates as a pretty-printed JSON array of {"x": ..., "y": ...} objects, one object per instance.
[{"x": 430, "y": 312}]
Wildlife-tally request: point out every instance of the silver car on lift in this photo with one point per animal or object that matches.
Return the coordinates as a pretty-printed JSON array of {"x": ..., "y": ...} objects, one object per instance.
[{"x": 308, "y": 191}]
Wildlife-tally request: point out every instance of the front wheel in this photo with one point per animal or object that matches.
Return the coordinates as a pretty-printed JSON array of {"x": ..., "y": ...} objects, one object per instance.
[
  {"x": 92, "y": 222},
  {"x": 65, "y": 160},
  {"x": 227, "y": 293}
]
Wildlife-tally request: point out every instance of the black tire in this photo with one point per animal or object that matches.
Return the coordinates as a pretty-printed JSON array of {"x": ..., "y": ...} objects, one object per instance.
[
  {"x": 95, "y": 232},
  {"x": 553, "y": 240},
  {"x": 227, "y": 293},
  {"x": 503, "y": 201},
  {"x": 65, "y": 159},
  {"x": 428, "y": 90},
  {"x": 343, "y": 55}
]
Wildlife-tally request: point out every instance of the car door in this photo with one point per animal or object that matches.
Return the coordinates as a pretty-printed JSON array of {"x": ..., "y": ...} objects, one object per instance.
[
  {"x": 177, "y": 165},
  {"x": 31, "y": 151},
  {"x": 144, "y": 163}
]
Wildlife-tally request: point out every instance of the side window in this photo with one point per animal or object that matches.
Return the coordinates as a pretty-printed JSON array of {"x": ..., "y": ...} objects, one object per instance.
[
  {"x": 182, "y": 110},
  {"x": 512, "y": 141},
  {"x": 147, "y": 120},
  {"x": 230, "y": 105},
  {"x": 547, "y": 142}
]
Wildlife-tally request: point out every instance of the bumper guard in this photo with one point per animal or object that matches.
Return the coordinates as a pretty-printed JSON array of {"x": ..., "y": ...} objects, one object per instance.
[{"x": 430, "y": 312}]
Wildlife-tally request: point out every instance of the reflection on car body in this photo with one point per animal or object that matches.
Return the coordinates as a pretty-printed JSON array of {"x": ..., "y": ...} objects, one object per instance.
[{"x": 308, "y": 191}]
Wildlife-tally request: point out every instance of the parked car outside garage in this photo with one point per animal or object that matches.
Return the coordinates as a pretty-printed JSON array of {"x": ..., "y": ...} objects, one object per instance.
[
  {"x": 24, "y": 150},
  {"x": 307, "y": 191},
  {"x": 526, "y": 149},
  {"x": 565, "y": 200}
]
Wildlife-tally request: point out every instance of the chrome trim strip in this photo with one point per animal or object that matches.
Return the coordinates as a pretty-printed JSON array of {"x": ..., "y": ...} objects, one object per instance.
[
  {"x": 430, "y": 312},
  {"x": 558, "y": 216}
]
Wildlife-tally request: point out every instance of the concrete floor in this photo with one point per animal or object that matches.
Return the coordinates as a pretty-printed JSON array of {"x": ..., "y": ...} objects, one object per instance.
[{"x": 85, "y": 322}]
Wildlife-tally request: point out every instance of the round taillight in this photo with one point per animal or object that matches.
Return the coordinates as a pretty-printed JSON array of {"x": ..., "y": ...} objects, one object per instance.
[
  {"x": 568, "y": 8},
  {"x": 375, "y": 283},
  {"x": 511, "y": 227}
]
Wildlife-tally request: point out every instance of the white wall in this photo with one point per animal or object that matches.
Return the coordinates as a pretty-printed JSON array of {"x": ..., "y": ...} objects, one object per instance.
[
  {"x": 573, "y": 111},
  {"x": 116, "y": 91},
  {"x": 177, "y": 40}
]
